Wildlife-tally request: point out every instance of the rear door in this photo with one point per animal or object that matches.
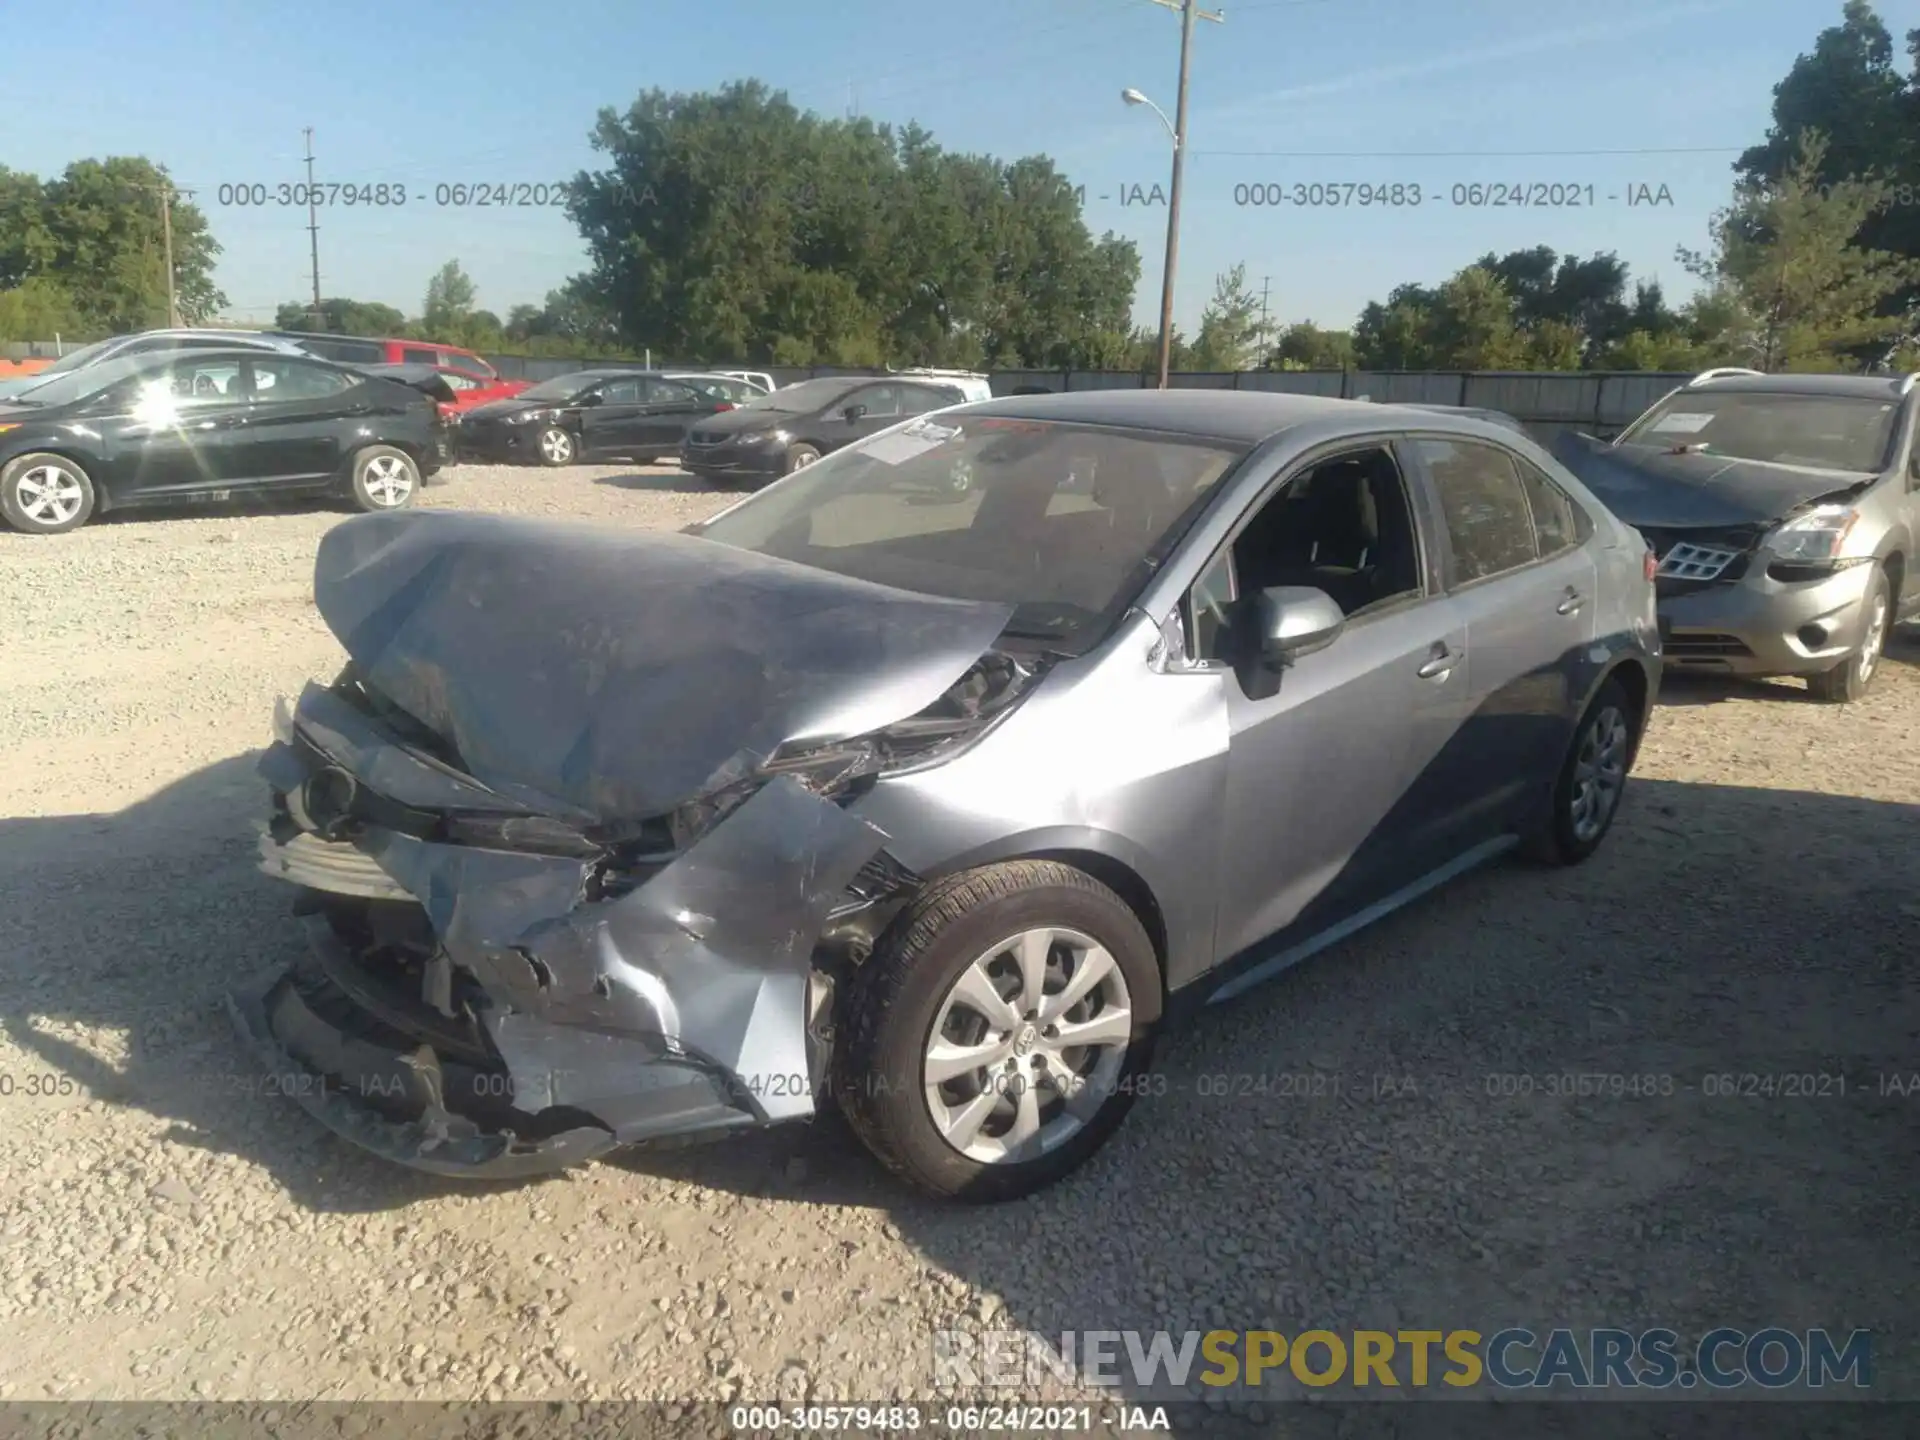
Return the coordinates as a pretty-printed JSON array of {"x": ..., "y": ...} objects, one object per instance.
[
  {"x": 670, "y": 407},
  {"x": 299, "y": 422},
  {"x": 1518, "y": 571}
]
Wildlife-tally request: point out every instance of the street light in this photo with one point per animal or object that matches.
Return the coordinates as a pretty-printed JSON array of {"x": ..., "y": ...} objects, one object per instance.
[{"x": 1136, "y": 97}]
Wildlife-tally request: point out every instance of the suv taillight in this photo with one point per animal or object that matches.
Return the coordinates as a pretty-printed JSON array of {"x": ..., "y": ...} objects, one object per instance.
[{"x": 1651, "y": 564}]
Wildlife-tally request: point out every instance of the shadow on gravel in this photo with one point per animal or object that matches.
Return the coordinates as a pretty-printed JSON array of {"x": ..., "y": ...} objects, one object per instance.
[
  {"x": 669, "y": 480},
  {"x": 1647, "y": 1091}
]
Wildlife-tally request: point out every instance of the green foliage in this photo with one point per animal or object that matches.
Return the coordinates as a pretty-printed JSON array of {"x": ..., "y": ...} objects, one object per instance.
[
  {"x": 1305, "y": 346},
  {"x": 94, "y": 233},
  {"x": 340, "y": 316},
  {"x": 1230, "y": 326},
  {"x": 732, "y": 225},
  {"x": 1801, "y": 292},
  {"x": 39, "y": 309}
]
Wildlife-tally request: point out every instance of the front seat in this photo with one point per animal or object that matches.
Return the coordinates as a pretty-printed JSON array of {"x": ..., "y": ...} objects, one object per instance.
[{"x": 1329, "y": 538}]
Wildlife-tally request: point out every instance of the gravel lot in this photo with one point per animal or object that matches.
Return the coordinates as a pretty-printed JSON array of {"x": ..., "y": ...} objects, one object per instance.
[{"x": 170, "y": 1232}]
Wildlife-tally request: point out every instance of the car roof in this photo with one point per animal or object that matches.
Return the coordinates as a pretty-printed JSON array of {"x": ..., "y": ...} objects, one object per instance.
[
  {"x": 1240, "y": 416},
  {"x": 1867, "y": 387}
]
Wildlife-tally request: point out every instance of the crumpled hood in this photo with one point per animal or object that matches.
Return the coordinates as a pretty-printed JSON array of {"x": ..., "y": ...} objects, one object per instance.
[
  {"x": 1649, "y": 487},
  {"x": 627, "y": 672}
]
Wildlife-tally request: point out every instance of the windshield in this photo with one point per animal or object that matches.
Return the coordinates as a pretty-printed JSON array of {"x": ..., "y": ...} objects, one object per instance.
[
  {"x": 1064, "y": 522},
  {"x": 73, "y": 360},
  {"x": 1817, "y": 432},
  {"x": 808, "y": 395},
  {"x": 77, "y": 385},
  {"x": 563, "y": 387}
]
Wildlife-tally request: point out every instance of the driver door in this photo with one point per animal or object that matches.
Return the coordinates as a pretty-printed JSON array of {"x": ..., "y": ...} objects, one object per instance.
[
  {"x": 615, "y": 422},
  {"x": 178, "y": 427},
  {"x": 1323, "y": 752}
]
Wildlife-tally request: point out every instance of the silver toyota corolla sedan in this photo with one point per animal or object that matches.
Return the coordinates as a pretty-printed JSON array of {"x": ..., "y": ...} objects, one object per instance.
[{"x": 935, "y": 804}]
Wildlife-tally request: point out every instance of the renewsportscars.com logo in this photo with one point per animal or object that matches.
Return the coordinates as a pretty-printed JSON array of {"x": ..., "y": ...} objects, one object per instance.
[{"x": 1773, "y": 1358}]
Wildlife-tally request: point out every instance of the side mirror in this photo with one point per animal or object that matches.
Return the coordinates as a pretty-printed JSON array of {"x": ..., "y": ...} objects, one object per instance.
[
  {"x": 1296, "y": 620},
  {"x": 853, "y": 412}
]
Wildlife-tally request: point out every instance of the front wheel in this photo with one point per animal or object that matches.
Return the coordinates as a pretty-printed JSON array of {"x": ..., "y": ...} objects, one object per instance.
[
  {"x": 384, "y": 479},
  {"x": 1852, "y": 677},
  {"x": 1000, "y": 1031},
  {"x": 555, "y": 445},
  {"x": 45, "y": 494},
  {"x": 801, "y": 456}
]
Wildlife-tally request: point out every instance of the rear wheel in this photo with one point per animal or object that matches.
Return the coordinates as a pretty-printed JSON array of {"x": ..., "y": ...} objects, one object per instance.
[
  {"x": 556, "y": 447},
  {"x": 1592, "y": 780},
  {"x": 384, "y": 479},
  {"x": 998, "y": 1034},
  {"x": 45, "y": 494},
  {"x": 1852, "y": 677}
]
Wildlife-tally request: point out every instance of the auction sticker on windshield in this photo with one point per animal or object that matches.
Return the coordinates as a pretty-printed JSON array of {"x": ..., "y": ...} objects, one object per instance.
[
  {"x": 913, "y": 439},
  {"x": 1682, "y": 422}
]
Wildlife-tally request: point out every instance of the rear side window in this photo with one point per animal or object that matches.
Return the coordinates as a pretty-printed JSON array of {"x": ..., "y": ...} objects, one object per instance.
[
  {"x": 1557, "y": 521},
  {"x": 419, "y": 357},
  {"x": 296, "y": 380},
  {"x": 1488, "y": 518}
]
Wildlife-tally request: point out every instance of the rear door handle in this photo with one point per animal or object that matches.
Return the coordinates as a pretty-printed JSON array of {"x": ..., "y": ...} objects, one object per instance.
[
  {"x": 1439, "y": 664},
  {"x": 1572, "y": 603}
]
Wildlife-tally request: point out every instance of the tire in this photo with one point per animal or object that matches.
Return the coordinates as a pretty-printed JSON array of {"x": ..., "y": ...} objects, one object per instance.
[
  {"x": 800, "y": 456},
  {"x": 1569, "y": 835},
  {"x": 42, "y": 494},
  {"x": 383, "y": 478},
  {"x": 1854, "y": 676},
  {"x": 555, "y": 445},
  {"x": 952, "y": 933}
]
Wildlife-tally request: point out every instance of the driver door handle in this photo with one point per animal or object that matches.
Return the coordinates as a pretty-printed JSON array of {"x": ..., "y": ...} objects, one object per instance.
[
  {"x": 1571, "y": 603},
  {"x": 1440, "y": 662}
]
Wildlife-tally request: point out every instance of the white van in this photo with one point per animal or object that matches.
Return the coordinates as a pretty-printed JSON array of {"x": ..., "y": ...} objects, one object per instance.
[{"x": 970, "y": 383}]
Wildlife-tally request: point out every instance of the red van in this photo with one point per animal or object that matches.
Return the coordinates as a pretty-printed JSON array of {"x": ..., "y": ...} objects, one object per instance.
[{"x": 474, "y": 381}]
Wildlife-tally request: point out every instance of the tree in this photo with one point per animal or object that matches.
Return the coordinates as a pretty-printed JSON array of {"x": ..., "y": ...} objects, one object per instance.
[
  {"x": 1305, "y": 346},
  {"x": 340, "y": 316},
  {"x": 1230, "y": 326},
  {"x": 1800, "y": 293},
  {"x": 448, "y": 305},
  {"x": 38, "y": 309},
  {"x": 731, "y": 225},
  {"x": 1848, "y": 91}
]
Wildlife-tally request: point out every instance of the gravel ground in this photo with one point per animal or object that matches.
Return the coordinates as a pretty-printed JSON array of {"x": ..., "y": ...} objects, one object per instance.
[{"x": 170, "y": 1232}]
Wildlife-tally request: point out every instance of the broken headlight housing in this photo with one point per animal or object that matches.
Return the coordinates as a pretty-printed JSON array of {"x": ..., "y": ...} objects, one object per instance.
[{"x": 1815, "y": 538}]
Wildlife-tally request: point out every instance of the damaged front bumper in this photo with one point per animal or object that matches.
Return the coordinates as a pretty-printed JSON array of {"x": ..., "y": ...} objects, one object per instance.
[{"x": 471, "y": 1009}]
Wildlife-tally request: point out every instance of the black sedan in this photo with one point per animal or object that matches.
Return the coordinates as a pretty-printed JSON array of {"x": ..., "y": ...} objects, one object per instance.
[
  {"x": 206, "y": 424},
  {"x": 795, "y": 426},
  {"x": 637, "y": 415}
]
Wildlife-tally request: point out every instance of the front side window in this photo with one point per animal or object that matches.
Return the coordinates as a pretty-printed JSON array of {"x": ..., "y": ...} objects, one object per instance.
[
  {"x": 992, "y": 508},
  {"x": 620, "y": 392},
  {"x": 1343, "y": 526},
  {"x": 419, "y": 357},
  {"x": 1817, "y": 432},
  {"x": 671, "y": 392},
  {"x": 1488, "y": 519}
]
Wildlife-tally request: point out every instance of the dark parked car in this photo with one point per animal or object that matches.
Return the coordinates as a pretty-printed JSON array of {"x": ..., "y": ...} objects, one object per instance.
[
  {"x": 206, "y": 424},
  {"x": 795, "y": 426},
  {"x": 609, "y": 836},
  {"x": 590, "y": 414}
]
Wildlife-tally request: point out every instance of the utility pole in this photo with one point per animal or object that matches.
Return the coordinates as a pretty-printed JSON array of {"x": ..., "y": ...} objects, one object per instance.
[
  {"x": 1261, "y": 333},
  {"x": 1189, "y": 10},
  {"x": 313, "y": 233},
  {"x": 166, "y": 240}
]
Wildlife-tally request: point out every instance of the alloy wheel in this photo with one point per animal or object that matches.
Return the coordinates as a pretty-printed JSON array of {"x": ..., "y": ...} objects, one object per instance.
[
  {"x": 387, "y": 481},
  {"x": 1028, "y": 1044},
  {"x": 1599, "y": 772},
  {"x": 49, "y": 494},
  {"x": 556, "y": 446}
]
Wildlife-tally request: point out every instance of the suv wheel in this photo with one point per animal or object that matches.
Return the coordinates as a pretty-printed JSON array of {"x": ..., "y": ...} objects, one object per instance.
[
  {"x": 996, "y": 1037},
  {"x": 45, "y": 494},
  {"x": 1850, "y": 679},
  {"x": 1592, "y": 780}
]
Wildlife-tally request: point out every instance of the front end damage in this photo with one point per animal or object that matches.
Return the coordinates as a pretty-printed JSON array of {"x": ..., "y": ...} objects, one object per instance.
[{"x": 502, "y": 978}]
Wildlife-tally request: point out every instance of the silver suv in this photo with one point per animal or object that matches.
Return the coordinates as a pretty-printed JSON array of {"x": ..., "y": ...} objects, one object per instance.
[
  {"x": 938, "y": 809},
  {"x": 1783, "y": 510}
]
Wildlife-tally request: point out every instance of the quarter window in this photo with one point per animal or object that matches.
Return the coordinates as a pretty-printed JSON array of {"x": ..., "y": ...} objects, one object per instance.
[{"x": 1488, "y": 518}]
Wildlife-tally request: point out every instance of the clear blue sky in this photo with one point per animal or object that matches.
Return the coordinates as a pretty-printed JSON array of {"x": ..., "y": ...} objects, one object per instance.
[{"x": 425, "y": 92}]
